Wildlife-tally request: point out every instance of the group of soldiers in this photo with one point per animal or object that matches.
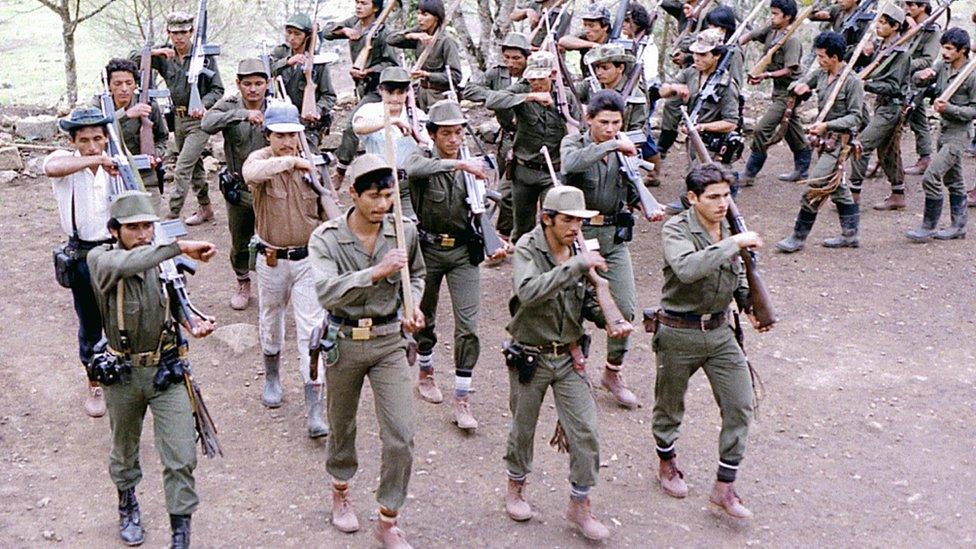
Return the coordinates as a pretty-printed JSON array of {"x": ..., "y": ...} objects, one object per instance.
[{"x": 575, "y": 159}]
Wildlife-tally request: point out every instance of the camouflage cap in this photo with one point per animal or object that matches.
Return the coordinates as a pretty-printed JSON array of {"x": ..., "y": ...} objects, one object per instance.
[
  {"x": 567, "y": 200},
  {"x": 539, "y": 65},
  {"x": 608, "y": 53},
  {"x": 82, "y": 117},
  {"x": 133, "y": 207},
  {"x": 894, "y": 12},
  {"x": 446, "y": 113},
  {"x": 707, "y": 40},
  {"x": 367, "y": 163},
  {"x": 300, "y": 21},
  {"x": 516, "y": 40},
  {"x": 594, "y": 12},
  {"x": 250, "y": 67},
  {"x": 179, "y": 21},
  {"x": 395, "y": 75}
]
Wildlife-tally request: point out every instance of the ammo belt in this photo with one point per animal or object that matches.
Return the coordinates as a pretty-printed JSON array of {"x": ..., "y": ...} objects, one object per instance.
[
  {"x": 537, "y": 166},
  {"x": 443, "y": 240},
  {"x": 551, "y": 349},
  {"x": 601, "y": 220},
  {"x": 427, "y": 85},
  {"x": 692, "y": 321},
  {"x": 292, "y": 254},
  {"x": 360, "y": 329},
  {"x": 138, "y": 360}
]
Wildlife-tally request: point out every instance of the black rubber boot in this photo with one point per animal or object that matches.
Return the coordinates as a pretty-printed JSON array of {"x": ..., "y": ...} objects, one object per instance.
[
  {"x": 665, "y": 141},
  {"x": 130, "y": 520},
  {"x": 271, "y": 394},
  {"x": 801, "y": 230},
  {"x": 753, "y": 165},
  {"x": 930, "y": 218},
  {"x": 850, "y": 220},
  {"x": 801, "y": 166},
  {"x": 957, "y": 208},
  {"x": 180, "y": 525}
]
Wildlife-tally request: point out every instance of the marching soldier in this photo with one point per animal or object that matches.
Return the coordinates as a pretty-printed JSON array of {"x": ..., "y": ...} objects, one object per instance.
[
  {"x": 123, "y": 78},
  {"x": 833, "y": 134},
  {"x": 783, "y": 70},
  {"x": 637, "y": 27},
  {"x": 450, "y": 251},
  {"x": 702, "y": 275},
  {"x": 888, "y": 83},
  {"x": 609, "y": 63},
  {"x": 550, "y": 302},
  {"x": 596, "y": 31},
  {"x": 539, "y": 123},
  {"x": 723, "y": 18},
  {"x": 172, "y": 62},
  {"x": 925, "y": 50},
  {"x": 838, "y": 16},
  {"x": 141, "y": 335},
  {"x": 442, "y": 69},
  {"x": 367, "y": 78},
  {"x": 957, "y": 116},
  {"x": 532, "y": 11},
  {"x": 240, "y": 119},
  {"x": 357, "y": 263},
  {"x": 285, "y": 214}
]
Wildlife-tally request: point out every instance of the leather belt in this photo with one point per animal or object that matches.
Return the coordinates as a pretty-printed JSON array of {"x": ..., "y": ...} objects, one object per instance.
[
  {"x": 292, "y": 254},
  {"x": 601, "y": 220},
  {"x": 138, "y": 360},
  {"x": 551, "y": 349},
  {"x": 425, "y": 83},
  {"x": 537, "y": 166},
  {"x": 362, "y": 322},
  {"x": 444, "y": 240},
  {"x": 364, "y": 329},
  {"x": 690, "y": 321}
]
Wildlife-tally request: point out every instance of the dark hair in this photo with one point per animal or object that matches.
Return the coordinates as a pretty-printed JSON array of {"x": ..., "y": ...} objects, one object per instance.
[
  {"x": 379, "y": 180},
  {"x": 637, "y": 14},
  {"x": 74, "y": 131},
  {"x": 956, "y": 37},
  {"x": 122, "y": 65},
  {"x": 113, "y": 224},
  {"x": 788, "y": 7},
  {"x": 832, "y": 43},
  {"x": 700, "y": 177},
  {"x": 378, "y": 4},
  {"x": 520, "y": 50},
  {"x": 722, "y": 17},
  {"x": 894, "y": 23},
  {"x": 390, "y": 86},
  {"x": 433, "y": 7},
  {"x": 605, "y": 100}
]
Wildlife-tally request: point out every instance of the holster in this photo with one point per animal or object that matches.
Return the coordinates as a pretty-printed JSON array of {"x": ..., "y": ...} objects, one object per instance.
[
  {"x": 172, "y": 369},
  {"x": 65, "y": 257},
  {"x": 651, "y": 322},
  {"x": 624, "y": 220},
  {"x": 520, "y": 359},
  {"x": 475, "y": 245},
  {"x": 231, "y": 185}
]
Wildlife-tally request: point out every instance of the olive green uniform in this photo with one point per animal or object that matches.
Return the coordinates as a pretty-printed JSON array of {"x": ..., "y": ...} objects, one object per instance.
[
  {"x": 145, "y": 317},
  {"x": 955, "y": 131},
  {"x": 439, "y": 196},
  {"x": 635, "y": 106},
  {"x": 241, "y": 138},
  {"x": 445, "y": 56},
  {"x": 564, "y": 21},
  {"x": 924, "y": 49},
  {"x": 295, "y": 83},
  {"x": 536, "y": 127},
  {"x": 726, "y": 108},
  {"x": 552, "y": 301},
  {"x": 788, "y": 56},
  {"x": 343, "y": 280},
  {"x": 701, "y": 277},
  {"x": 594, "y": 169},
  {"x": 130, "y": 136}
]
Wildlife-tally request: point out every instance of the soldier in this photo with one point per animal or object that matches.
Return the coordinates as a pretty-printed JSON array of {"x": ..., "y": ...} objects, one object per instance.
[
  {"x": 925, "y": 50},
  {"x": 550, "y": 303},
  {"x": 607, "y": 66},
  {"x": 368, "y": 123},
  {"x": 957, "y": 116},
  {"x": 515, "y": 55},
  {"x": 288, "y": 62},
  {"x": 80, "y": 181},
  {"x": 357, "y": 265},
  {"x": 702, "y": 275},
  {"x": 539, "y": 123},
  {"x": 450, "y": 251},
  {"x": 442, "y": 70},
  {"x": 172, "y": 62},
  {"x": 285, "y": 214},
  {"x": 123, "y": 76},
  {"x": 783, "y": 70},
  {"x": 240, "y": 119},
  {"x": 366, "y": 78},
  {"x": 532, "y": 10},
  {"x": 888, "y": 83},
  {"x": 843, "y": 119},
  {"x": 637, "y": 27},
  {"x": 838, "y": 16},
  {"x": 142, "y": 336},
  {"x": 723, "y": 18},
  {"x": 589, "y": 163},
  {"x": 596, "y": 31}
]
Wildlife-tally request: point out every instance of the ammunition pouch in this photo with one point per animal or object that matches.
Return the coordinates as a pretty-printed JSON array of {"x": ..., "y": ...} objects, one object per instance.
[
  {"x": 107, "y": 368},
  {"x": 522, "y": 360},
  {"x": 65, "y": 257},
  {"x": 325, "y": 339},
  {"x": 232, "y": 186},
  {"x": 651, "y": 321},
  {"x": 624, "y": 220},
  {"x": 172, "y": 369}
]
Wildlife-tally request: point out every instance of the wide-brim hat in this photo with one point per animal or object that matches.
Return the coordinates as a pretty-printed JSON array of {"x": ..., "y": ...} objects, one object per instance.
[
  {"x": 568, "y": 201},
  {"x": 133, "y": 207},
  {"x": 282, "y": 117},
  {"x": 367, "y": 164},
  {"x": 83, "y": 117},
  {"x": 446, "y": 113}
]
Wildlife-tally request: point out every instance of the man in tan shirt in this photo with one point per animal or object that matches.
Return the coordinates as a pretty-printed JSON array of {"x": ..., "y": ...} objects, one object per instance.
[{"x": 285, "y": 214}]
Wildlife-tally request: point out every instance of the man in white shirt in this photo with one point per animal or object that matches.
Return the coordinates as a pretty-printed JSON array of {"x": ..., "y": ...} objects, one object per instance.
[{"x": 81, "y": 183}]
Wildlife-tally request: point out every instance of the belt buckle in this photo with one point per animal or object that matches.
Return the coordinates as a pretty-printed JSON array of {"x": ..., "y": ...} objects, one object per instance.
[
  {"x": 361, "y": 333},
  {"x": 703, "y": 319},
  {"x": 555, "y": 349},
  {"x": 447, "y": 240}
]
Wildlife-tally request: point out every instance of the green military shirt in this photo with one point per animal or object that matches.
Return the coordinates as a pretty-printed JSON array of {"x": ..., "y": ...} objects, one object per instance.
[
  {"x": 564, "y": 21},
  {"x": 790, "y": 55},
  {"x": 494, "y": 79},
  {"x": 552, "y": 299},
  {"x": 635, "y": 109},
  {"x": 847, "y": 111},
  {"x": 294, "y": 79},
  {"x": 537, "y": 126},
  {"x": 144, "y": 303},
  {"x": 726, "y": 108},
  {"x": 174, "y": 72},
  {"x": 925, "y": 48},
  {"x": 594, "y": 169},
  {"x": 380, "y": 56},
  {"x": 891, "y": 78},
  {"x": 131, "y": 126},
  {"x": 700, "y": 276},
  {"x": 438, "y": 193},
  {"x": 957, "y": 120},
  {"x": 675, "y": 8},
  {"x": 343, "y": 269},
  {"x": 444, "y": 56},
  {"x": 241, "y": 138}
]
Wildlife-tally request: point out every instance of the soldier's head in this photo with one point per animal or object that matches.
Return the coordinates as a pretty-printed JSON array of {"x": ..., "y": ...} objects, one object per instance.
[
  {"x": 955, "y": 44},
  {"x": 87, "y": 129},
  {"x": 708, "y": 49},
  {"x": 372, "y": 187},
  {"x": 829, "y": 47},
  {"x": 430, "y": 15},
  {"x": 179, "y": 27},
  {"x": 637, "y": 21},
  {"x": 846, "y": 5},
  {"x": 708, "y": 190},
  {"x": 918, "y": 9},
  {"x": 366, "y": 8},
  {"x": 596, "y": 22},
  {"x": 394, "y": 82},
  {"x": 539, "y": 71},
  {"x": 605, "y": 115},
  {"x": 252, "y": 80},
  {"x": 132, "y": 219},
  {"x": 891, "y": 21},
  {"x": 722, "y": 18},
  {"x": 446, "y": 127},
  {"x": 297, "y": 30},
  {"x": 563, "y": 212},
  {"x": 123, "y": 75},
  {"x": 782, "y": 13},
  {"x": 515, "y": 53},
  {"x": 283, "y": 128},
  {"x": 609, "y": 62}
]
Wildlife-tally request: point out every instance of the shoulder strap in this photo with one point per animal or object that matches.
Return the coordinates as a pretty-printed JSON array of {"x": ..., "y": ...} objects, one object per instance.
[
  {"x": 120, "y": 316},
  {"x": 74, "y": 225}
]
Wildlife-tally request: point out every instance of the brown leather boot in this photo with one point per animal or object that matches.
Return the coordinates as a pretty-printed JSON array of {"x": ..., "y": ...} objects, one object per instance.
[
  {"x": 724, "y": 496},
  {"x": 387, "y": 532},
  {"x": 343, "y": 515},
  {"x": 515, "y": 505},
  {"x": 671, "y": 479},
  {"x": 242, "y": 297},
  {"x": 579, "y": 515},
  {"x": 95, "y": 403},
  {"x": 428, "y": 390},
  {"x": 204, "y": 214},
  {"x": 462, "y": 414},
  {"x": 893, "y": 202},
  {"x": 920, "y": 166},
  {"x": 614, "y": 382}
]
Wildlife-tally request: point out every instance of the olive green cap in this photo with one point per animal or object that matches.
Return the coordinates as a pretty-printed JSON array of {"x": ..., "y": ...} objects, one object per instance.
[
  {"x": 250, "y": 67},
  {"x": 516, "y": 40},
  {"x": 300, "y": 21},
  {"x": 567, "y": 201},
  {"x": 368, "y": 163},
  {"x": 179, "y": 21},
  {"x": 395, "y": 75},
  {"x": 133, "y": 207},
  {"x": 446, "y": 113}
]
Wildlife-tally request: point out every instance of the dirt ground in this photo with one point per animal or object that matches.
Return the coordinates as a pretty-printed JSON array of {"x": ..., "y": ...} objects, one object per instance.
[{"x": 865, "y": 437}]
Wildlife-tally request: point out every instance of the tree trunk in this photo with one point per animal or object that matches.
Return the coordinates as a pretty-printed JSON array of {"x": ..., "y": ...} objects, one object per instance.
[{"x": 70, "y": 65}]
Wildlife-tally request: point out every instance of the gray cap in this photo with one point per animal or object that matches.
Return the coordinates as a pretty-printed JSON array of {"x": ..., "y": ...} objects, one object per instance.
[
  {"x": 179, "y": 21},
  {"x": 249, "y": 67},
  {"x": 367, "y": 163},
  {"x": 567, "y": 201},
  {"x": 300, "y": 21},
  {"x": 516, "y": 40},
  {"x": 446, "y": 113},
  {"x": 395, "y": 75},
  {"x": 894, "y": 12},
  {"x": 133, "y": 207},
  {"x": 282, "y": 117}
]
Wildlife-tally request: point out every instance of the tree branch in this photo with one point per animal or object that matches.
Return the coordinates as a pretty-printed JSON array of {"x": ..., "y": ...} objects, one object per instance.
[{"x": 96, "y": 11}]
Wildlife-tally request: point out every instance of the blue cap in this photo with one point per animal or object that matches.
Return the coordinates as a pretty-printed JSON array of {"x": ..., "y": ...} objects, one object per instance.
[{"x": 282, "y": 117}]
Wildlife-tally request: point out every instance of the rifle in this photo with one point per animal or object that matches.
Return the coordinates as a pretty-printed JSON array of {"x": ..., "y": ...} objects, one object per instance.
[
  {"x": 902, "y": 40},
  {"x": 759, "y": 299},
  {"x": 266, "y": 61},
  {"x": 408, "y": 308},
  {"x": 309, "y": 109},
  {"x": 692, "y": 20},
  {"x": 422, "y": 58},
  {"x": 860, "y": 14},
  {"x": 544, "y": 20},
  {"x": 848, "y": 68},
  {"x": 618, "y": 19},
  {"x": 611, "y": 313},
  {"x": 562, "y": 99},
  {"x": 766, "y": 59},
  {"x": 147, "y": 145},
  {"x": 411, "y": 106},
  {"x": 958, "y": 81},
  {"x": 552, "y": 27},
  {"x": 198, "y": 55},
  {"x": 476, "y": 195},
  {"x": 374, "y": 27}
]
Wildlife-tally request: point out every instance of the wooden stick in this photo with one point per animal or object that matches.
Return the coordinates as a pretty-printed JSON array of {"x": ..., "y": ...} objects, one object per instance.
[
  {"x": 398, "y": 217},
  {"x": 768, "y": 58},
  {"x": 903, "y": 39}
]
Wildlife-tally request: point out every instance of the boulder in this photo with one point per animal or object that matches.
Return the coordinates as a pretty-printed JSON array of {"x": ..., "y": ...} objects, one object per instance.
[
  {"x": 40, "y": 127},
  {"x": 346, "y": 99},
  {"x": 6, "y": 176},
  {"x": 10, "y": 159},
  {"x": 238, "y": 337}
]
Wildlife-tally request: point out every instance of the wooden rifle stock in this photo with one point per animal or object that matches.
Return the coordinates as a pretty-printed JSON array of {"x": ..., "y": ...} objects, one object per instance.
[
  {"x": 363, "y": 57},
  {"x": 766, "y": 59},
  {"x": 309, "y": 108},
  {"x": 958, "y": 81},
  {"x": 408, "y": 308},
  {"x": 147, "y": 146},
  {"x": 422, "y": 58},
  {"x": 902, "y": 40}
]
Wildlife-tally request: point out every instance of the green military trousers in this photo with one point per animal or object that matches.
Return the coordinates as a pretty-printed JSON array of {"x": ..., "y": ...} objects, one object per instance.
[
  {"x": 384, "y": 361},
  {"x": 464, "y": 285},
  {"x": 240, "y": 221},
  {"x": 680, "y": 352},
  {"x": 620, "y": 274},
  {"x": 945, "y": 169},
  {"x": 191, "y": 140},
  {"x": 918, "y": 121},
  {"x": 577, "y": 414},
  {"x": 820, "y": 177},
  {"x": 529, "y": 188},
  {"x": 770, "y": 122},
  {"x": 879, "y": 136},
  {"x": 504, "y": 222},
  {"x": 174, "y": 431}
]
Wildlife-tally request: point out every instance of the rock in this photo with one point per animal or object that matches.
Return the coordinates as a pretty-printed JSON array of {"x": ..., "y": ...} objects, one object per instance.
[
  {"x": 49, "y": 535},
  {"x": 238, "y": 337},
  {"x": 346, "y": 99},
  {"x": 10, "y": 159},
  {"x": 488, "y": 130},
  {"x": 8, "y": 121},
  {"x": 875, "y": 426},
  {"x": 211, "y": 164},
  {"x": 40, "y": 127},
  {"x": 35, "y": 165},
  {"x": 41, "y": 503},
  {"x": 6, "y": 176}
]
